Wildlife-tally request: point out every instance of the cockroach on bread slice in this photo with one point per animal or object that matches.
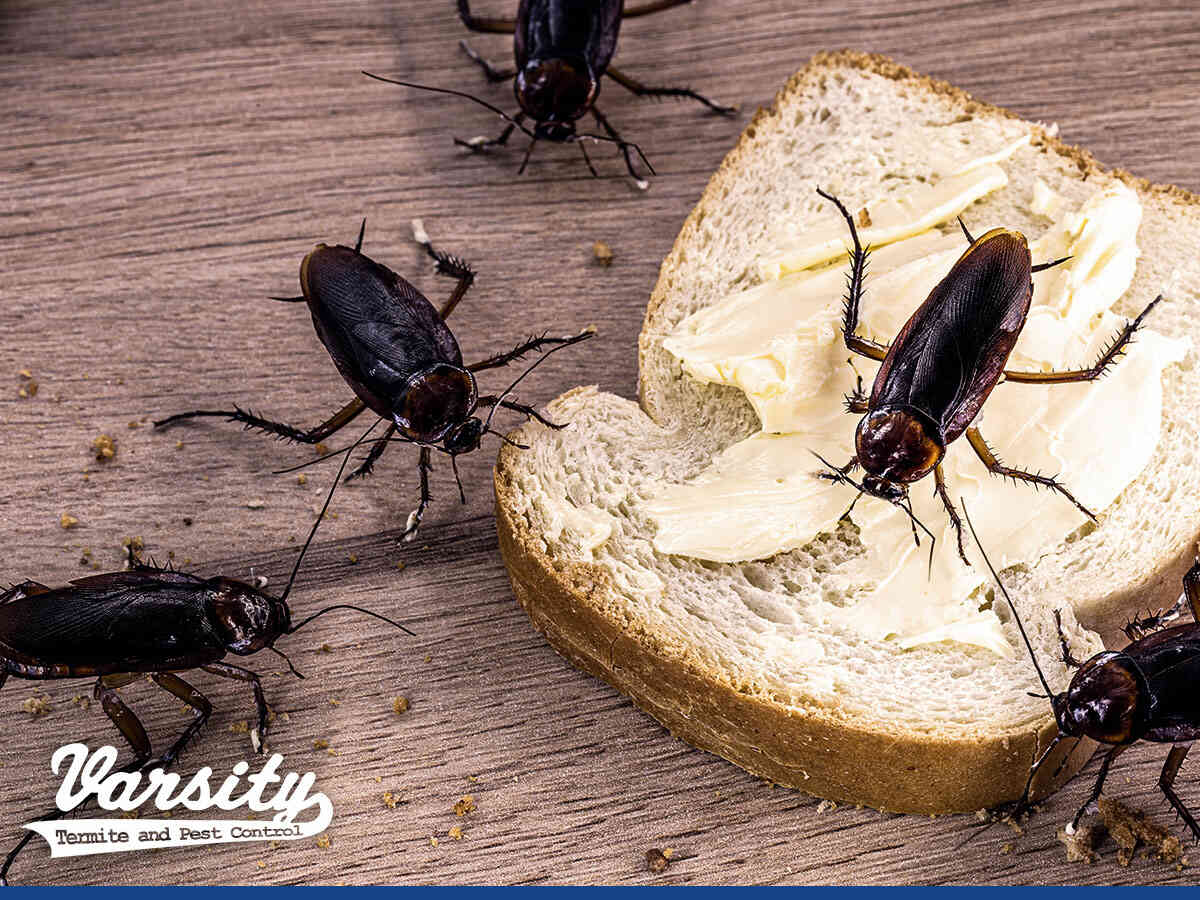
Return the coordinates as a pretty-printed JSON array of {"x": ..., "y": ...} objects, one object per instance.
[{"x": 935, "y": 377}]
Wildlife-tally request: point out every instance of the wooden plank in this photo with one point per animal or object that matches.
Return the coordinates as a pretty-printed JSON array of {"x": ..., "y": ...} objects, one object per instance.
[{"x": 164, "y": 168}]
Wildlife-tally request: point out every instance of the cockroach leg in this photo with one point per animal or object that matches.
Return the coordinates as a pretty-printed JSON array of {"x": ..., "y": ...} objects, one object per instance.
[
  {"x": 448, "y": 265},
  {"x": 587, "y": 159},
  {"x": 989, "y": 459},
  {"x": 623, "y": 145},
  {"x": 1106, "y": 359},
  {"x": 1068, "y": 657},
  {"x": 642, "y": 90},
  {"x": 249, "y": 420},
  {"x": 199, "y": 704},
  {"x": 486, "y": 26},
  {"x": 493, "y": 74},
  {"x": 652, "y": 7},
  {"x": 939, "y": 478},
  {"x": 857, "y": 401},
  {"x": 1098, "y": 786},
  {"x": 532, "y": 345},
  {"x": 527, "y": 411},
  {"x": 122, "y": 716},
  {"x": 258, "y": 737},
  {"x": 854, "y": 290},
  {"x": 482, "y": 144},
  {"x": 424, "y": 467},
  {"x": 368, "y": 464},
  {"x": 1166, "y": 781}
]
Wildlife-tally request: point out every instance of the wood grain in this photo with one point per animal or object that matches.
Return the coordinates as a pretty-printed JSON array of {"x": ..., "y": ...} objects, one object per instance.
[{"x": 165, "y": 165}]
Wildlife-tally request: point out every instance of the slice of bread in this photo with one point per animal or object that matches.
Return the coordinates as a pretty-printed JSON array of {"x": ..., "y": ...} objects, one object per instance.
[{"x": 736, "y": 658}]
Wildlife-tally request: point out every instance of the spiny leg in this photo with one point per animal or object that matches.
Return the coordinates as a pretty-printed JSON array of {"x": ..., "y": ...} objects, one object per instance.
[
  {"x": 1167, "y": 779},
  {"x": 493, "y": 74},
  {"x": 201, "y": 710},
  {"x": 1099, "y": 785},
  {"x": 258, "y": 737},
  {"x": 858, "y": 270},
  {"x": 1189, "y": 598},
  {"x": 450, "y": 266},
  {"x": 128, "y": 725},
  {"x": 1106, "y": 359},
  {"x": 528, "y": 411},
  {"x": 368, "y": 464},
  {"x": 652, "y": 7},
  {"x": 249, "y": 420},
  {"x": 1068, "y": 657},
  {"x": 624, "y": 146},
  {"x": 939, "y": 479},
  {"x": 989, "y": 459},
  {"x": 534, "y": 344},
  {"x": 424, "y": 467},
  {"x": 488, "y": 26},
  {"x": 643, "y": 91}
]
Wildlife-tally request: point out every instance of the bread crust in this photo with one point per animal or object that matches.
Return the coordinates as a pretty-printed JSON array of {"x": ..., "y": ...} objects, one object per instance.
[{"x": 811, "y": 748}]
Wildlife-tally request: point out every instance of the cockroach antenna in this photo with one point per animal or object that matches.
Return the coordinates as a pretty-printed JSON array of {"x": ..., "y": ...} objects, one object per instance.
[
  {"x": 440, "y": 90},
  {"x": 321, "y": 515},
  {"x": 1004, "y": 591}
]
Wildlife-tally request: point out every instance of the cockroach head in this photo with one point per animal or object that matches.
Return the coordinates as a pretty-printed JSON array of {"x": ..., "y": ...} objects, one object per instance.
[
  {"x": 464, "y": 437},
  {"x": 1106, "y": 701},
  {"x": 890, "y": 491},
  {"x": 897, "y": 447},
  {"x": 554, "y": 93},
  {"x": 248, "y": 619}
]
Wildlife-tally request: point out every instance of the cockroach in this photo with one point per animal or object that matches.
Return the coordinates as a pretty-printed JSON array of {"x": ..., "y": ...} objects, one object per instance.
[
  {"x": 562, "y": 48},
  {"x": 1146, "y": 692},
  {"x": 395, "y": 351},
  {"x": 149, "y": 622},
  {"x": 934, "y": 378}
]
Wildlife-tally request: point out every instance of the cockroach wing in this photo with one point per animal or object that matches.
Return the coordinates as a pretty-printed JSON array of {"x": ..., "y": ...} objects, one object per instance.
[
  {"x": 1170, "y": 661},
  {"x": 548, "y": 29},
  {"x": 22, "y": 590},
  {"x": 377, "y": 327},
  {"x": 98, "y": 629},
  {"x": 952, "y": 351}
]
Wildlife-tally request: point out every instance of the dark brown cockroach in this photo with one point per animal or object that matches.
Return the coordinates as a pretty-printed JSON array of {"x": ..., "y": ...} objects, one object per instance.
[
  {"x": 393, "y": 348},
  {"x": 1146, "y": 692},
  {"x": 562, "y": 48},
  {"x": 936, "y": 375},
  {"x": 148, "y": 622}
]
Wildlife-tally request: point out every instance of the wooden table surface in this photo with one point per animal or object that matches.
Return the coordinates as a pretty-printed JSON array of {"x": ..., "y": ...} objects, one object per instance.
[{"x": 163, "y": 168}]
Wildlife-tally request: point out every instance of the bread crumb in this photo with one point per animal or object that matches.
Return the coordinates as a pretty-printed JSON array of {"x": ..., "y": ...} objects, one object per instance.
[
  {"x": 325, "y": 648},
  {"x": 656, "y": 860},
  {"x": 826, "y": 806},
  {"x": 179, "y": 445},
  {"x": 320, "y": 744},
  {"x": 256, "y": 503},
  {"x": 104, "y": 447},
  {"x": 602, "y": 253},
  {"x": 262, "y": 864},
  {"x": 400, "y": 705},
  {"x": 1130, "y": 828},
  {"x": 26, "y": 374},
  {"x": 401, "y": 566},
  {"x": 323, "y": 842},
  {"x": 391, "y": 800},
  {"x": 241, "y": 727},
  {"x": 28, "y": 390},
  {"x": 1081, "y": 846},
  {"x": 456, "y": 832},
  {"x": 134, "y": 425},
  {"x": 353, "y": 558},
  {"x": 864, "y": 218},
  {"x": 465, "y": 804},
  {"x": 321, "y": 449},
  {"x": 301, "y": 478},
  {"x": 1006, "y": 849},
  {"x": 333, "y": 702},
  {"x": 39, "y": 706},
  {"x": 66, "y": 520},
  {"x": 433, "y": 842}
]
